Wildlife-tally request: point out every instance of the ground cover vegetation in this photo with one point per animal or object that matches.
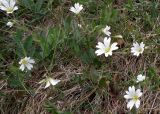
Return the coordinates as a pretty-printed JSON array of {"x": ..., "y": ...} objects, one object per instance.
[{"x": 79, "y": 56}]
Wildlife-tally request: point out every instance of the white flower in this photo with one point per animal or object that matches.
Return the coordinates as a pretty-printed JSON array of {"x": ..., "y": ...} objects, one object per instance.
[
  {"x": 77, "y": 8},
  {"x": 133, "y": 97},
  {"x": 9, "y": 24},
  {"x": 106, "y": 48},
  {"x": 140, "y": 78},
  {"x": 106, "y": 30},
  {"x": 8, "y": 5},
  {"x": 79, "y": 25},
  {"x": 137, "y": 48},
  {"x": 49, "y": 81},
  {"x": 26, "y": 63}
]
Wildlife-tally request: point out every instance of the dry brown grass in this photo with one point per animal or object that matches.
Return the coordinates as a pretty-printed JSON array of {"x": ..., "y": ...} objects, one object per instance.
[{"x": 75, "y": 97}]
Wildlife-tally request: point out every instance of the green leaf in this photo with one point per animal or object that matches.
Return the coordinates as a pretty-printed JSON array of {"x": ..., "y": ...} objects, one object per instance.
[
  {"x": 38, "y": 5},
  {"x": 2, "y": 94},
  {"x": 151, "y": 72},
  {"x": 20, "y": 51},
  {"x": 102, "y": 82},
  {"x": 1, "y": 57},
  {"x": 18, "y": 37},
  {"x": 45, "y": 47},
  {"x": 51, "y": 109},
  {"x": 27, "y": 3},
  {"x": 28, "y": 43}
]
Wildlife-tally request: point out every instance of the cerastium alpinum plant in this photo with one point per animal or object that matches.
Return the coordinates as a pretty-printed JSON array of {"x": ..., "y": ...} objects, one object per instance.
[{"x": 95, "y": 56}]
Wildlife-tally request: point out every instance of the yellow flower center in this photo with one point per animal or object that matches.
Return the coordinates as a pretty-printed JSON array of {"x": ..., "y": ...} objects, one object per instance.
[
  {"x": 139, "y": 49},
  {"x": 24, "y": 61},
  {"x": 9, "y": 10},
  {"x": 107, "y": 49},
  {"x": 135, "y": 97}
]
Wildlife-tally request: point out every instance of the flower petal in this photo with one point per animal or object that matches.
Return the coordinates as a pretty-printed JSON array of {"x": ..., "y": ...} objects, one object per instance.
[
  {"x": 127, "y": 96},
  {"x": 100, "y": 45},
  {"x": 47, "y": 84},
  {"x": 12, "y": 3},
  {"x": 99, "y": 52},
  {"x": 130, "y": 104},
  {"x": 54, "y": 81},
  {"x": 106, "y": 54},
  {"x": 22, "y": 67},
  {"x": 114, "y": 46},
  {"x": 142, "y": 45},
  {"x": 15, "y": 8},
  {"x": 107, "y": 41},
  {"x": 137, "y": 104},
  {"x": 138, "y": 92},
  {"x": 5, "y": 3},
  {"x": 29, "y": 66},
  {"x": 3, "y": 8},
  {"x": 31, "y": 61}
]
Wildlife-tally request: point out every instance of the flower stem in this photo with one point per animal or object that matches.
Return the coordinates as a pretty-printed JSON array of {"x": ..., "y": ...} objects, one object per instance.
[
  {"x": 23, "y": 85},
  {"x": 134, "y": 111}
]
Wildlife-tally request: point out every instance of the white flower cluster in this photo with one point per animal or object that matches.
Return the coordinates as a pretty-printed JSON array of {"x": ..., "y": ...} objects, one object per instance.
[
  {"x": 133, "y": 95},
  {"x": 105, "y": 47},
  {"x": 9, "y": 6},
  {"x": 27, "y": 62}
]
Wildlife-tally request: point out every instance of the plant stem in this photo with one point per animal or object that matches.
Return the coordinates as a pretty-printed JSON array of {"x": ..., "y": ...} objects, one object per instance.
[
  {"x": 134, "y": 111},
  {"x": 23, "y": 85}
]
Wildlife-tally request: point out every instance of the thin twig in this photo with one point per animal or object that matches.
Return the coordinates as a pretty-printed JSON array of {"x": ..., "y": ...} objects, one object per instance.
[{"x": 153, "y": 104}]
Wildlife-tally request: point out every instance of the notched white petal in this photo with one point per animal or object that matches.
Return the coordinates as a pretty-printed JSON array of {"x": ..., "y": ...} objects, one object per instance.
[{"x": 47, "y": 84}]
